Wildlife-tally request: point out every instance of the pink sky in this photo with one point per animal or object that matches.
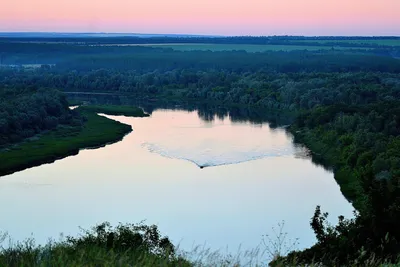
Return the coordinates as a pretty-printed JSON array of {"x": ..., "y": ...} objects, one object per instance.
[{"x": 225, "y": 17}]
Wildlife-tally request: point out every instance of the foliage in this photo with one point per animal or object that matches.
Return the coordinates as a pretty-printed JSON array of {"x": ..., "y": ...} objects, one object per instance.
[
  {"x": 262, "y": 89},
  {"x": 361, "y": 143},
  {"x": 124, "y": 245},
  {"x": 27, "y": 111}
]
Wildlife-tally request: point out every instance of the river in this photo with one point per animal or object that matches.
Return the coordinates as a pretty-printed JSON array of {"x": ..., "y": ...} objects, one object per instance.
[{"x": 252, "y": 178}]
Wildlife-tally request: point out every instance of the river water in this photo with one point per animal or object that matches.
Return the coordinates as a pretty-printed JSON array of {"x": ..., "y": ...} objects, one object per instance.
[{"x": 215, "y": 182}]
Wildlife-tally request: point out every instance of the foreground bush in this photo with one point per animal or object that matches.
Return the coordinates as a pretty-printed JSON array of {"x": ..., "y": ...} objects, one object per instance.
[{"x": 124, "y": 245}]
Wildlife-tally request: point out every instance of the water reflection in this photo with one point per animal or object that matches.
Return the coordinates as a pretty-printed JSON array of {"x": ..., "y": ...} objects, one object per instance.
[
  {"x": 207, "y": 112},
  {"x": 215, "y": 142}
]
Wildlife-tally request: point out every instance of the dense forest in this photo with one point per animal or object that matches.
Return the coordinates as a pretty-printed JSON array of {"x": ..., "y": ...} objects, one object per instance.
[
  {"x": 26, "y": 111},
  {"x": 291, "y": 91},
  {"x": 346, "y": 105}
]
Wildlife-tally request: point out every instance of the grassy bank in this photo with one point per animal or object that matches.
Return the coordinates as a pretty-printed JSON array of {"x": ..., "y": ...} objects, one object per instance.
[
  {"x": 65, "y": 141},
  {"x": 115, "y": 110}
]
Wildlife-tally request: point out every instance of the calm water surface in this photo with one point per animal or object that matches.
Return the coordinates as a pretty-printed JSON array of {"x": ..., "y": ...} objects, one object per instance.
[{"x": 252, "y": 180}]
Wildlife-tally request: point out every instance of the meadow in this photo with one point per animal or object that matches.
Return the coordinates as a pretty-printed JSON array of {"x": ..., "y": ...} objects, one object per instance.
[
  {"x": 379, "y": 42},
  {"x": 246, "y": 47}
]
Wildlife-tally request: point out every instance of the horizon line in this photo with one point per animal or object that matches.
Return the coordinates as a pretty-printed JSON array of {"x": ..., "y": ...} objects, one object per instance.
[{"x": 184, "y": 34}]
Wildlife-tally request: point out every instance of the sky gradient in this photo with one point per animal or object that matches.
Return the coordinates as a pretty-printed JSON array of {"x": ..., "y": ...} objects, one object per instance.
[{"x": 221, "y": 17}]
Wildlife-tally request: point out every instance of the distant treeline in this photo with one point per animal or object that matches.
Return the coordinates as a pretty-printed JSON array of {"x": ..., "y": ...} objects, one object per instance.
[
  {"x": 272, "y": 40},
  {"x": 145, "y": 59},
  {"x": 235, "y": 61},
  {"x": 265, "y": 89}
]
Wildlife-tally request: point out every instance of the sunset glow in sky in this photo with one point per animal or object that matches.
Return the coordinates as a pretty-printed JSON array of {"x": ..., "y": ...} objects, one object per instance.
[{"x": 222, "y": 17}]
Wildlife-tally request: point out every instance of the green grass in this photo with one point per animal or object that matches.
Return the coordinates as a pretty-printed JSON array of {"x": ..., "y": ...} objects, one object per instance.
[
  {"x": 65, "y": 141},
  {"x": 135, "y": 245},
  {"x": 246, "y": 47},
  {"x": 124, "y": 245}
]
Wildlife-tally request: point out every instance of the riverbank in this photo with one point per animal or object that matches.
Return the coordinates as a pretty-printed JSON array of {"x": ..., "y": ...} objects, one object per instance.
[
  {"x": 329, "y": 157},
  {"x": 115, "y": 110},
  {"x": 64, "y": 141},
  {"x": 73, "y": 97}
]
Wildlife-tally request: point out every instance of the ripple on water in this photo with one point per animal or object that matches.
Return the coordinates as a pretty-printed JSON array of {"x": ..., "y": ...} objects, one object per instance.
[{"x": 211, "y": 157}]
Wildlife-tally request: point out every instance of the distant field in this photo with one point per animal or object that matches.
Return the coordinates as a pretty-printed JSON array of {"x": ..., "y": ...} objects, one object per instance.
[
  {"x": 389, "y": 42},
  {"x": 246, "y": 47},
  {"x": 26, "y": 66}
]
